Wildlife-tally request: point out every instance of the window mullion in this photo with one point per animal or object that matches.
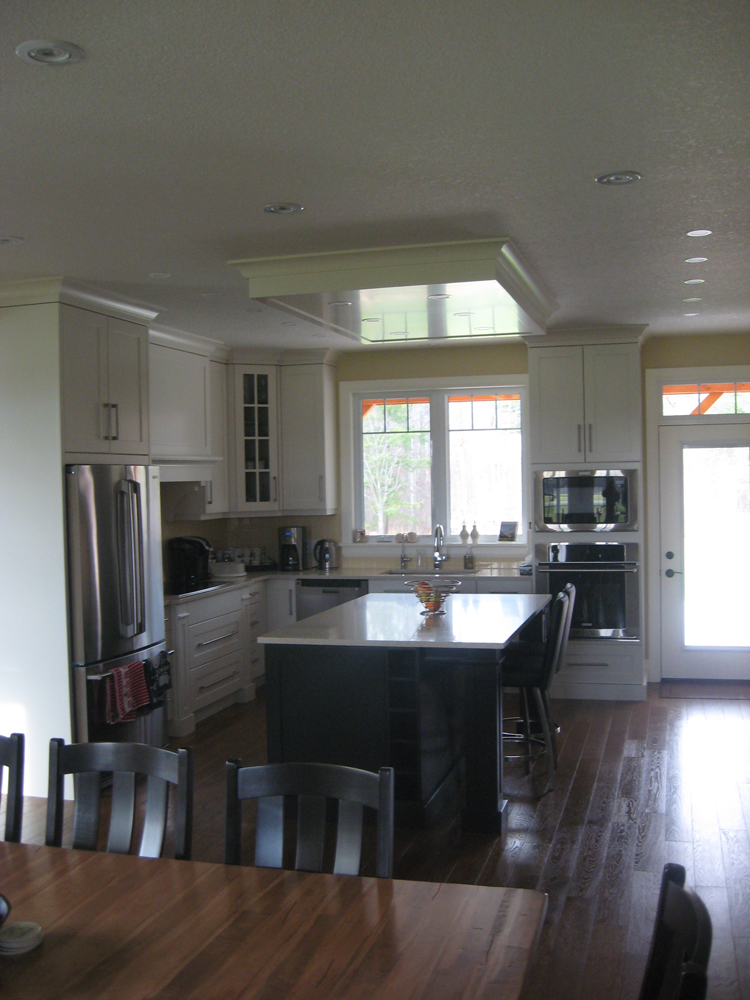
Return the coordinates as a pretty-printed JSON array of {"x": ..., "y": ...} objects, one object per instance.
[{"x": 439, "y": 439}]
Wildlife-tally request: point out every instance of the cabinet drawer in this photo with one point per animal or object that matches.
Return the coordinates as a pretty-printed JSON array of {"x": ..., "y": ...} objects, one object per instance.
[
  {"x": 212, "y": 681},
  {"x": 203, "y": 608},
  {"x": 212, "y": 639},
  {"x": 604, "y": 664}
]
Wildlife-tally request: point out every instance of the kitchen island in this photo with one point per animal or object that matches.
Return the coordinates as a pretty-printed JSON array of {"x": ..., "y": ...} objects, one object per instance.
[{"x": 373, "y": 683}]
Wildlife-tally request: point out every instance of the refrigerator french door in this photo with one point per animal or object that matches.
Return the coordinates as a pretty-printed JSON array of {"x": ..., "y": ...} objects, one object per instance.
[{"x": 116, "y": 597}]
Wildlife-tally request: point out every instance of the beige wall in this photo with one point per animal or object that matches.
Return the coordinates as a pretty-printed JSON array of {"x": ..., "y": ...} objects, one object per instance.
[
  {"x": 34, "y": 687},
  {"x": 434, "y": 362},
  {"x": 696, "y": 350}
]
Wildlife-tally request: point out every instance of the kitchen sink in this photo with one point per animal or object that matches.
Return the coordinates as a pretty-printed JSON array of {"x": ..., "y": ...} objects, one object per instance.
[{"x": 429, "y": 572}]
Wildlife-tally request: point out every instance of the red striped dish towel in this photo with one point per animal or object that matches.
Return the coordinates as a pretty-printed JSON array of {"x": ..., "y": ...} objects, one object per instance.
[{"x": 126, "y": 691}]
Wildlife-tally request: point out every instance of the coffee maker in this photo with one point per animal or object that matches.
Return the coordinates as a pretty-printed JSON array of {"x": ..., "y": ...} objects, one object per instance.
[{"x": 293, "y": 549}]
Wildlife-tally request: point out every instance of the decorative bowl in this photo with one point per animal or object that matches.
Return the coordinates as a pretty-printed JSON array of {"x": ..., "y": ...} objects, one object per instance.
[{"x": 433, "y": 594}]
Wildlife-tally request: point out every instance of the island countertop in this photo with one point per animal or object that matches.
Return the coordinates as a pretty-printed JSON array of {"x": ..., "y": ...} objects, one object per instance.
[{"x": 471, "y": 621}]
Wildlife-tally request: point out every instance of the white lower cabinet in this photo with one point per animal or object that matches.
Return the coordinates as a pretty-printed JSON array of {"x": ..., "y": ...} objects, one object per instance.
[
  {"x": 254, "y": 623},
  {"x": 601, "y": 669},
  {"x": 505, "y": 585},
  {"x": 280, "y": 602},
  {"x": 211, "y": 664}
]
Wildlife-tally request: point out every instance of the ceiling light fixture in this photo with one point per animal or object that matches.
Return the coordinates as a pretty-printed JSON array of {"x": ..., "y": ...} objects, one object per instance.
[
  {"x": 695, "y": 281},
  {"x": 692, "y": 299},
  {"x": 283, "y": 208},
  {"x": 699, "y": 232},
  {"x": 696, "y": 260},
  {"x": 341, "y": 302},
  {"x": 463, "y": 314},
  {"x": 371, "y": 319},
  {"x": 439, "y": 295},
  {"x": 159, "y": 275},
  {"x": 46, "y": 53},
  {"x": 7, "y": 241},
  {"x": 691, "y": 314},
  {"x": 618, "y": 177}
]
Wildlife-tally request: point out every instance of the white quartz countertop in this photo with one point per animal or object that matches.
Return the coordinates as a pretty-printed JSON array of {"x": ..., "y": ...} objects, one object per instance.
[{"x": 477, "y": 621}]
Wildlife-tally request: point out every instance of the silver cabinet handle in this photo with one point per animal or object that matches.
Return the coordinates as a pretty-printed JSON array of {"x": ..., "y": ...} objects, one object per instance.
[
  {"x": 227, "y": 635},
  {"x": 274, "y": 490},
  {"x": 580, "y": 426},
  {"x": 184, "y": 614},
  {"x": 591, "y": 438},
  {"x": 106, "y": 424},
  {"x": 116, "y": 408},
  {"x": 291, "y": 609},
  {"x": 210, "y": 499},
  {"x": 320, "y": 488}
]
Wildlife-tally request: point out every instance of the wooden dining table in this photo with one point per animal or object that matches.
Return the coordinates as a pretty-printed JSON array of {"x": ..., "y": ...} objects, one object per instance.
[{"x": 117, "y": 926}]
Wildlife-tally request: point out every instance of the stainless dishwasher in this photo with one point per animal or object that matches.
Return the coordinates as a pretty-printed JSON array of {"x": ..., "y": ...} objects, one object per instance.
[{"x": 314, "y": 596}]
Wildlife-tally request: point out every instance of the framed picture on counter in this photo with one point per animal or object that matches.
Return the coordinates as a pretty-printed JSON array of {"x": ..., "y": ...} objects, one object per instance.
[{"x": 508, "y": 531}]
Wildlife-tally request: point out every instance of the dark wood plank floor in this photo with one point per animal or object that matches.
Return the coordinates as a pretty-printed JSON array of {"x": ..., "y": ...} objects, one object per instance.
[{"x": 638, "y": 784}]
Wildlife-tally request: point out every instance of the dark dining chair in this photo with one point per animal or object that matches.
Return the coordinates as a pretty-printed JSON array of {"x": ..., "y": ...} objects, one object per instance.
[
  {"x": 531, "y": 670},
  {"x": 681, "y": 943},
  {"x": 88, "y": 762},
  {"x": 312, "y": 785},
  {"x": 12, "y": 757}
]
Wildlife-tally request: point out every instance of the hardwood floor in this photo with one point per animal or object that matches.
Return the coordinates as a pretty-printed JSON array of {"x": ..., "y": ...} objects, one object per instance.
[{"x": 638, "y": 784}]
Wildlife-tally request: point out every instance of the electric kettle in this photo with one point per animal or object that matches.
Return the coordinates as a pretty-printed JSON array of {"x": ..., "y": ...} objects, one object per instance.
[{"x": 326, "y": 554}]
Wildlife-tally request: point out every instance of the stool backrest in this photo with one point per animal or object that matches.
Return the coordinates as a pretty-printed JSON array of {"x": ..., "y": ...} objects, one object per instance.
[{"x": 12, "y": 757}]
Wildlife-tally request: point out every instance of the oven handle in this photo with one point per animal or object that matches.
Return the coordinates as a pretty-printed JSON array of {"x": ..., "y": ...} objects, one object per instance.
[{"x": 572, "y": 568}]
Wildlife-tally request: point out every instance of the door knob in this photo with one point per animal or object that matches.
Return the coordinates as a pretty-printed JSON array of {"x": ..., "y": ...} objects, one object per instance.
[{"x": 672, "y": 572}]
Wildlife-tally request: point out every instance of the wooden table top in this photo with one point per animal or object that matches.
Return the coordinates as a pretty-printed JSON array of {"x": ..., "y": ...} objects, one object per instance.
[{"x": 132, "y": 928}]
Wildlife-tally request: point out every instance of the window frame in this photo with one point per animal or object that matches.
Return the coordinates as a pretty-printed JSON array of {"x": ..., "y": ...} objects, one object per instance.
[{"x": 352, "y": 502}]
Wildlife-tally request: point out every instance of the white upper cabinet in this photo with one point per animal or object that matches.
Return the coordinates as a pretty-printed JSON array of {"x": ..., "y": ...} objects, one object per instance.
[
  {"x": 308, "y": 439},
  {"x": 217, "y": 501},
  {"x": 585, "y": 404},
  {"x": 256, "y": 439},
  {"x": 179, "y": 404},
  {"x": 104, "y": 384}
]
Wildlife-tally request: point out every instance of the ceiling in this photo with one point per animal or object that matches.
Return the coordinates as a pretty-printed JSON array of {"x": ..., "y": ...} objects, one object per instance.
[{"x": 392, "y": 123}]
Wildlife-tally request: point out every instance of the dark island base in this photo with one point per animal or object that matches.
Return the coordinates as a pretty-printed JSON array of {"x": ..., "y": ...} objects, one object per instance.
[{"x": 429, "y": 714}]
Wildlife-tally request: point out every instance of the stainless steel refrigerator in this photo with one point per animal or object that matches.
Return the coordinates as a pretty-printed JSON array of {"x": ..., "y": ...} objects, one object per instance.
[{"x": 115, "y": 582}]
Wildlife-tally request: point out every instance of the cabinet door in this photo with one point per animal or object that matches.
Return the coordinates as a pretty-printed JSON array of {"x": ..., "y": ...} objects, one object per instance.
[
  {"x": 611, "y": 377},
  {"x": 556, "y": 397},
  {"x": 127, "y": 370},
  {"x": 218, "y": 498},
  {"x": 307, "y": 439},
  {"x": 256, "y": 453},
  {"x": 84, "y": 381},
  {"x": 179, "y": 399}
]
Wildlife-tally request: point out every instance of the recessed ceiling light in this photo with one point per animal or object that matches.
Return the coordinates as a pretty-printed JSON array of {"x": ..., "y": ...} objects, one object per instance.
[
  {"x": 283, "y": 208},
  {"x": 691, "y": 314},
  {"x": 46, "y": 53},
  {"x": 439, "y": 295},
  {"x": 618, "y": 177},
  {"x": 7, "y": 241},
  {"x": 692, "y": 299},
  {"x": 696, "y": 260},
  {"x": 159, "y": 275},
  {"x": 699, "y": 232},
  {"x": 341, "y": 302},
  {"x": 289, "y": 322},
  {"x": 695, "y": 281}
]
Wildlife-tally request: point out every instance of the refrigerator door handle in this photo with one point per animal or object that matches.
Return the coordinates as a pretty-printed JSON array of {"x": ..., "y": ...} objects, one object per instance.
[{"x": 130, "y": 558}]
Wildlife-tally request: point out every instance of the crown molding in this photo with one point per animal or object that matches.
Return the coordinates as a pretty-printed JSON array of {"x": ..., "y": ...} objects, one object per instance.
[
  {"x": 36, "y": 291},
  {"x": 590, "y": 335},
  {"x": 192, "y": 343}
]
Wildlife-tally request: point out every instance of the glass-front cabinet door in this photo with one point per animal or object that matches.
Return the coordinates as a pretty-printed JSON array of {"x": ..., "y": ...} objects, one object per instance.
[{"x": 256, "y": 421}]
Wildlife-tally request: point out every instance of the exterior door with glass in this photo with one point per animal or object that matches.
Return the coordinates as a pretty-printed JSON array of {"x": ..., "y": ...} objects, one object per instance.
[{"x": 705, "y": 551}]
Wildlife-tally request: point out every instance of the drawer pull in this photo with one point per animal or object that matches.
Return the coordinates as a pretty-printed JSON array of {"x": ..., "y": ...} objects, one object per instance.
[
  {"x": 253, "y": 624},
  {"x": 184, "y": 614},
  {"x": 207, "y": 687},
  {"x": 227, "y": 635}
]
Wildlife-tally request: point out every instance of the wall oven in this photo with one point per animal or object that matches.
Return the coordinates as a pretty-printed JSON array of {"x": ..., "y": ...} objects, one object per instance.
[
  {"x": 591, "y": 500},
  {"x": 605, "y": 575}
]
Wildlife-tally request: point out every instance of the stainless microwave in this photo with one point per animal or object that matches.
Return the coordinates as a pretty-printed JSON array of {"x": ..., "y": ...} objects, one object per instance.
[{"x": 590, "y": 500}]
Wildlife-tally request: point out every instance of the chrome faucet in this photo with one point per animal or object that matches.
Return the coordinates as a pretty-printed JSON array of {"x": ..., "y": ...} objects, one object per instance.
[{"x": 437, "y": 556}]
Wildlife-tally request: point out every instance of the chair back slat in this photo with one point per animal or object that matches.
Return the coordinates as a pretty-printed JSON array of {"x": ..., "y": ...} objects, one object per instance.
[
  {"x": 12, "y": 757},
  {"x": 123, "y": 812},
  {"x": 269, "y": 837},
  {"x": 311, "y": 830},
  {"x": 348, "y": 839},
  {"x": 155, "y": 820},
  {"x": 86, "y": 815},
  {"x": 570, "y": 590}
]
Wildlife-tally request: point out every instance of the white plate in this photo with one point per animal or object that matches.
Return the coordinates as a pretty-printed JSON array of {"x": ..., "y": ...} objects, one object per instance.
[{"x": 15, "y": 939}]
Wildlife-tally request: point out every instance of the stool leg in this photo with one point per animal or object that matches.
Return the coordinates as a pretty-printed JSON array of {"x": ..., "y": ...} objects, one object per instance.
[{"x": 547, "y": 740}]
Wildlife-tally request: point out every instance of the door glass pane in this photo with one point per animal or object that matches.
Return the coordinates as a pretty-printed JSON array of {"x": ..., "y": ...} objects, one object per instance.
[
  {"x": 716, "y": 504},
  {"x": 248, "y": 383},
  {"x": 263, "y": 389}
]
